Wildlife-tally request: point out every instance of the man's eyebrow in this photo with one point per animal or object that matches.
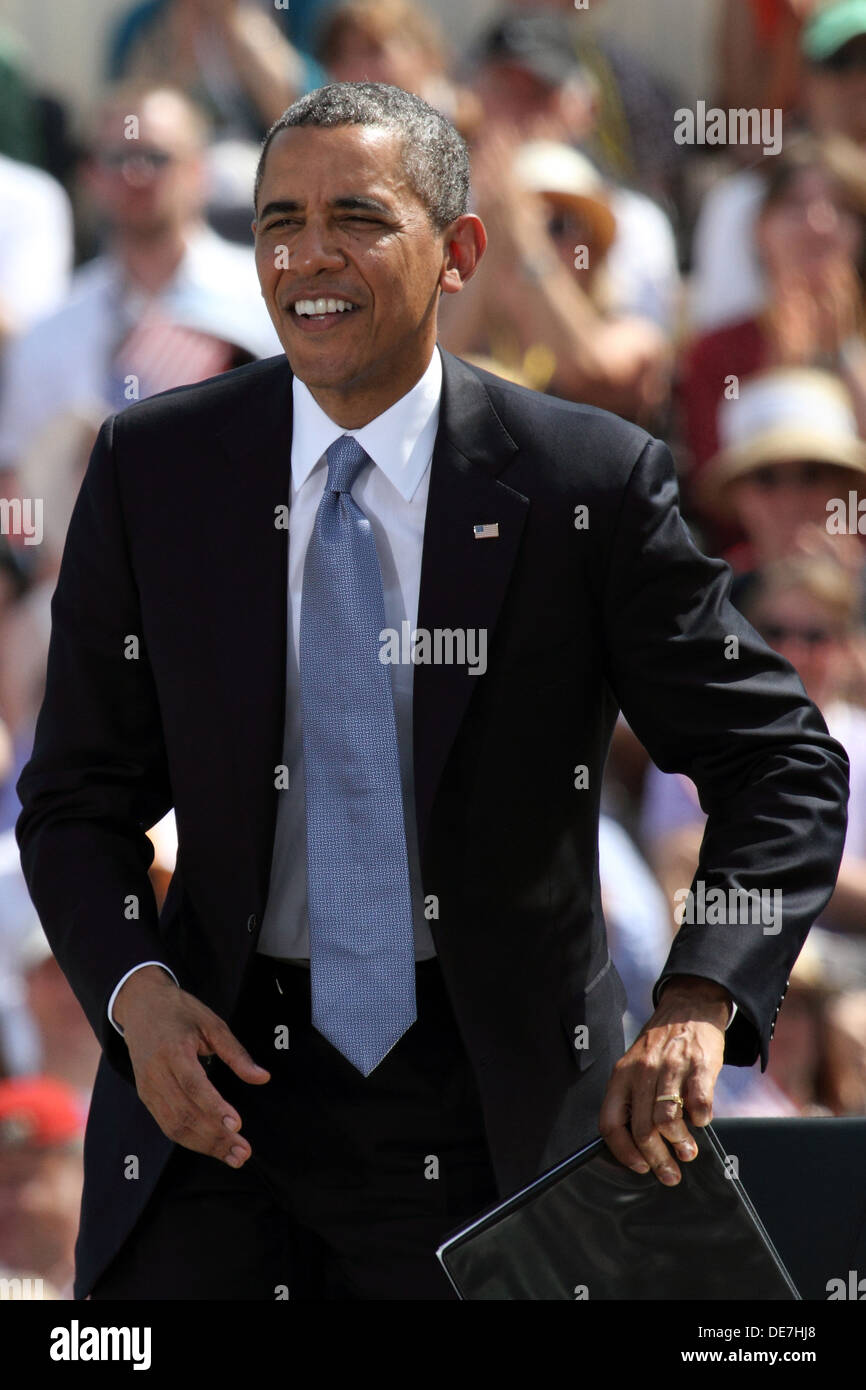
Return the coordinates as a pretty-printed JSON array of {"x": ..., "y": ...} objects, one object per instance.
[
  {"x": 358, "y": 200},
  {"x": 284, "y": 205},
  {"x": 349, "y": 200}
]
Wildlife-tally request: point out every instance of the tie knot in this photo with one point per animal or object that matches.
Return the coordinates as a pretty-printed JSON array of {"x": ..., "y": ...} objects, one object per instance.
[{"x": 346, "y": 457}]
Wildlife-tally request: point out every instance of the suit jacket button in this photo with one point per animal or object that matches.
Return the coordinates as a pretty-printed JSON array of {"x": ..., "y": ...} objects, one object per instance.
[{"x": 252, "y": 923}]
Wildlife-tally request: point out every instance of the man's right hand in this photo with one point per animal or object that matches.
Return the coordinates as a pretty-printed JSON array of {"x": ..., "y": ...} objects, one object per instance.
[{"x": 166, "y": 1031}]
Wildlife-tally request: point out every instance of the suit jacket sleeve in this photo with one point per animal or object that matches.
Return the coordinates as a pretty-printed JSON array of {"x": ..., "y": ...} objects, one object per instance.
[
  {"x": 97, "y": 778},
  {"x": 707, "y": 697}
]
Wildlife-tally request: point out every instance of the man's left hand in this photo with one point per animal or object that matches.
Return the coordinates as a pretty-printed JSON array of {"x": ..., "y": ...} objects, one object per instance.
[{"x": 678, "y": 1053}]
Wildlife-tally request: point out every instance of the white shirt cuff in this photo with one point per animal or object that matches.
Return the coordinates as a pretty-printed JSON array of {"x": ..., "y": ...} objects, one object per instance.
[{"x": 121, "y": 983}]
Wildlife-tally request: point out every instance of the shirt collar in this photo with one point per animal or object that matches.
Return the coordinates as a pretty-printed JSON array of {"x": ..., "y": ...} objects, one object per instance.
[{"x": 399, "y": 441}]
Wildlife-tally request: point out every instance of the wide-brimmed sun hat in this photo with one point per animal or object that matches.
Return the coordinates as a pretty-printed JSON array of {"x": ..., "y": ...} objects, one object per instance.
[
  {"x": 567, "y": 177},
  {"x": 784, "y": 415}
]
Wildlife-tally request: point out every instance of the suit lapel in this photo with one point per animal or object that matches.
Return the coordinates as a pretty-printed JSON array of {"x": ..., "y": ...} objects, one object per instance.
[{"x": 463, "y": 579}]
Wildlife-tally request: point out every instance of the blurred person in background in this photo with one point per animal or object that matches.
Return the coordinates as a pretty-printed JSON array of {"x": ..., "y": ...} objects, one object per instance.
[
  {"x": 542, "y": 300},
  {"x": 637, "y": 918},
  {"x": 43, "y": 1028},
  {"x": 533, "y": 85},
  {"x": 19, "y": 1037},
  {"x": 833, "y": 47},
  {"x": 20, "y": 134},
  {"x": 758, "y": 52},
  {"x": 630, "y": 139},
  {"x": 51, "y": 469},
  {"x": 728, "y": 281},
  {"x": 806, "y": 608},
  {"x": 68, "y": 1050},
  {"x": 41, "y": 1133},
  {"x": 846, "y": 1046},
  {"x": 235, "y": 61},
  {"x": 810, "y": 236},
  {"x": 803, "y": 1075},
  {"x": 14, "y": 583},
  {"x": 168, "y": 302},
  {"x": 229, "y": 56},
  {"x": 35, "y": 246},
  {"x": 789, "y": 451},
  {"x": 399, "y": 42}
]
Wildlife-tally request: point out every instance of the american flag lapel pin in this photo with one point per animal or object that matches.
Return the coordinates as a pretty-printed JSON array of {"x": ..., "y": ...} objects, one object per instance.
[{"x": 486, "y": 532}]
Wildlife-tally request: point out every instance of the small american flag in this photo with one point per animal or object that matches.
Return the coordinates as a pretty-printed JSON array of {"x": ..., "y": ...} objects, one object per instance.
[
  {"x": 487, "y": 532},
  {"x": 162, "y": 354}
]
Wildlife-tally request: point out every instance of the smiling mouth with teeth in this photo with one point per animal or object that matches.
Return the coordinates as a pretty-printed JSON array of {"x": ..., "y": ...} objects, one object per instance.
[{"x": 321, "y": 308}]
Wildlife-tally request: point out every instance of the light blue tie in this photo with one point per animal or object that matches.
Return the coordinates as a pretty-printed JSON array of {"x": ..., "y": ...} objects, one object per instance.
[{"x": 362, "y": 952}]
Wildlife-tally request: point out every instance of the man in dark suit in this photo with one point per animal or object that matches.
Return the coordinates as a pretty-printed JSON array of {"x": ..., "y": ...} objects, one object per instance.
[{"x": 379, "y": 994}]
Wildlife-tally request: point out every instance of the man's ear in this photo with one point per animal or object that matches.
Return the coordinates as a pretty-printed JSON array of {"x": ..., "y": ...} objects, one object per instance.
[{"x": 465, "y": 243}]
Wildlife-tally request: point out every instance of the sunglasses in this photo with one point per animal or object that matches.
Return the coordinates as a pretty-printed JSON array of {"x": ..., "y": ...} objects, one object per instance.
[
  {"x": 778, "y": 633},
  {"x": 144, "y": 159}
]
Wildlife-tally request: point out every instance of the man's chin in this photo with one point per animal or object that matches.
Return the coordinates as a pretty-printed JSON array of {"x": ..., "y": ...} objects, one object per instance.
[{"x": 315, "y": 371}]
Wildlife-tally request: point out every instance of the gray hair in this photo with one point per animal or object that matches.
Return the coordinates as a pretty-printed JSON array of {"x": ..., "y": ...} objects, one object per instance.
[{"x": 435, "y": 157}]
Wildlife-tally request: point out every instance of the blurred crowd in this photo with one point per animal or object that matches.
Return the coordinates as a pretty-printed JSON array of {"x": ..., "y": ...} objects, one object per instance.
[{"x": 713, "y": 292}]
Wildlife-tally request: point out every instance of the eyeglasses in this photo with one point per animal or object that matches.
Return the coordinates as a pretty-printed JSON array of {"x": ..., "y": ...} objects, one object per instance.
[
  {"x": 778, "y": 633},
  {"x": 142, "y": 159},
  {"x": 771, "y": 477}
]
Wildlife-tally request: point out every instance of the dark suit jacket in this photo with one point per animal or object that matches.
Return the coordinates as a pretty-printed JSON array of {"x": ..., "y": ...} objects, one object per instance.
[{"x": 174, "y": 541}]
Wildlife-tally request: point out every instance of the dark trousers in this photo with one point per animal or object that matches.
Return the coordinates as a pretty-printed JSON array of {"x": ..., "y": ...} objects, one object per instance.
[{"x": 353, "y": 1180}]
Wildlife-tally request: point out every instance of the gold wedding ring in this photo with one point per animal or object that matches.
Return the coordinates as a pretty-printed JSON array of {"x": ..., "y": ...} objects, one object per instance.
[{"x": 676, "y": 1096}]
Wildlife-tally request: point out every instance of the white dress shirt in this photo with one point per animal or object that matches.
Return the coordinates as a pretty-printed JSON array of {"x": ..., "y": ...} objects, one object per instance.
[{"x": 392, "y": 492}]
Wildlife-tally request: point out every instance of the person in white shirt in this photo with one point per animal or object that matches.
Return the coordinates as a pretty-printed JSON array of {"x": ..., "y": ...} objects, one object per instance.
[
  {"x": 168, "y": 303},
  {"x": 35, "y": 245}
]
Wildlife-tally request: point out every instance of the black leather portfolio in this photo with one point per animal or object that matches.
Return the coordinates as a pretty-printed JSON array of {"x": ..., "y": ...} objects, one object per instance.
[{"x": 592, "y": 1229}]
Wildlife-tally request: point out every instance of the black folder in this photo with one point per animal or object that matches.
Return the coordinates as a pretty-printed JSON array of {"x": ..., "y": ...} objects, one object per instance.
[{"x": 592, "y": 1229}]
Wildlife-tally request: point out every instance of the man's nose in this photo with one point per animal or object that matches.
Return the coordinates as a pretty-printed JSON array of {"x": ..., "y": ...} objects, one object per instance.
[{"x": 315, "y": 248}]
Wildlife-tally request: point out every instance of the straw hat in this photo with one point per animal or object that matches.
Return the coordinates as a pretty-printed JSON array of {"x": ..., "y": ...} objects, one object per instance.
[
  {"x": 558, "y": 172},
  {"x": 789, "y": 413}
]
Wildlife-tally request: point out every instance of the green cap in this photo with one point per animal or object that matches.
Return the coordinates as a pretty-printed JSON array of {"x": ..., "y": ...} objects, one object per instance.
[{"x": 831, "y": 27}]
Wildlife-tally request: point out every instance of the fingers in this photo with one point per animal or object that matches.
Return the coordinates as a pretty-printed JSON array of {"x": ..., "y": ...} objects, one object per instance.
[
  {"x": 234, "y": 1054},
  {"x": 654, "y": 1121},
  {"x": 642, "y": 1119},
  {"x": 192, "y": 1118},
  {"x": 614, "y": 1122},
  {"x": 166, "y": 1047},
  {"x": 191, "y": 1112},
  {"x": 698, "y": 1095}
]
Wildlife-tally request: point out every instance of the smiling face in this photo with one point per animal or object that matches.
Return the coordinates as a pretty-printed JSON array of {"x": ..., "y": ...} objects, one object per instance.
[{"x": 338, "y": 221}]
